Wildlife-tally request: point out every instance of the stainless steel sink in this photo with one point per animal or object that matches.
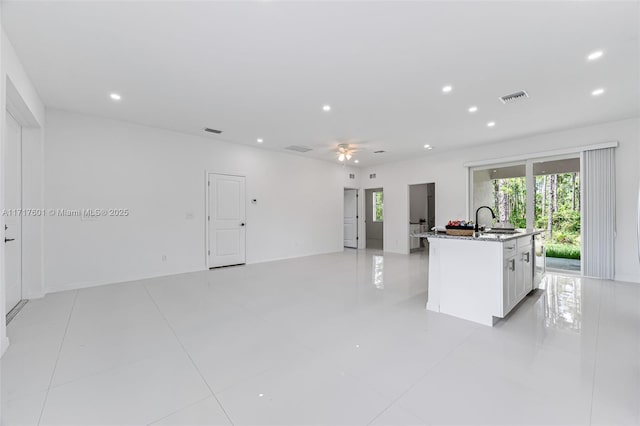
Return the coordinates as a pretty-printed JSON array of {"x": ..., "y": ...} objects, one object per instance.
[{"x": 500, "y": 231}]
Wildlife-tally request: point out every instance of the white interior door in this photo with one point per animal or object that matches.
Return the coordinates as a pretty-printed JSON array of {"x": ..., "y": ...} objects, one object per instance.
[
  {"x": 226, "y": 220},
  {"x": 13, "y": 222},
  {"x": 351, "y": 218}
]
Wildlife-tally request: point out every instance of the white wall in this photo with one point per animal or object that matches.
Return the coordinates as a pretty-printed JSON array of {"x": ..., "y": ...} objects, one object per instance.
[
  {"x": 418, "y": 202},
  {"x": 159, "y": 175},
  {"x": 24, "y": 98},
  {"x": 447, "y": 171}
]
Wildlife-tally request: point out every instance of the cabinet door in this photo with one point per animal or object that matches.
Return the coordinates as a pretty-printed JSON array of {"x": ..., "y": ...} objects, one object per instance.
[
  {"x": 527, "y": 270},
  {"x": 509, "y": 289},
  {"x": 520, "y": 274}
]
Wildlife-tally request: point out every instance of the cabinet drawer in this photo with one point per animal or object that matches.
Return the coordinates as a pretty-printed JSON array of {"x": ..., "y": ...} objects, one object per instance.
[
  {"x": 523, "y": 242},
  {"x": 509, "y": 248}
]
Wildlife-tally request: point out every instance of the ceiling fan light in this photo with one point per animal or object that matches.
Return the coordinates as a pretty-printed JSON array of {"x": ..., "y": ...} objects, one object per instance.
[
  {"x": 341, "y": 157},
  {"x": 348, "y": 156}
]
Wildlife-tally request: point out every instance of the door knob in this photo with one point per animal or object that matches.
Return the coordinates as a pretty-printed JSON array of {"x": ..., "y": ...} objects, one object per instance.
[
  {"x": 242, "y": 224},
  {"x": 6, "y": 240}
]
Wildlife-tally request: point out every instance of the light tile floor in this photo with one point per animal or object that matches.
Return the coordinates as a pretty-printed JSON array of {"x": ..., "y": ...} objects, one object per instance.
[{"x": 333, "y": 339}]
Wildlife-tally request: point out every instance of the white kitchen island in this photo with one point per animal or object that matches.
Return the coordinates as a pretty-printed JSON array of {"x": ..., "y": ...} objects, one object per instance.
[{"x": 479, "y": 278}]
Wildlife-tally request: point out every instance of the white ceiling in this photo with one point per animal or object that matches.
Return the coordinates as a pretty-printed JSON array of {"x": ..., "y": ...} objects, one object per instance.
[{"x": 264, "y": 69}]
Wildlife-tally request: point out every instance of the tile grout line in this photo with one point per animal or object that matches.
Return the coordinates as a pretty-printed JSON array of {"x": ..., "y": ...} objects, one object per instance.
[
  {"x": 179, "y": 409},
  {"x": 395, "y": 400},
  {"x": 189, "y": 356},
  {"x": 55, "y": 366},
  {"x": 595, "y": 360}
]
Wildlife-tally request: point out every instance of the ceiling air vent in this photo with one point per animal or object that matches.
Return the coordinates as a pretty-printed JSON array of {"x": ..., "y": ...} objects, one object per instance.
[
  {"x": 210, "y": 130},
  {"x": 514, "y": 97},
  {"x": 380, "y": 151},
  {"x": 298, "y": 148}
]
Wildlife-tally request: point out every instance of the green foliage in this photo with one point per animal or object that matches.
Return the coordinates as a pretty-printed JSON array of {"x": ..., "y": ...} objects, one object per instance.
[
  {"x": 567, "y": 221},
  {"x": 565, "y": 209},
  {"x": 563, "y": 251},
  {"x": 378, "y": 206},
  {"x": 560, "y": 194},
  {"x": 510, "y": 199},
  {"x": 564, "y": 238}
]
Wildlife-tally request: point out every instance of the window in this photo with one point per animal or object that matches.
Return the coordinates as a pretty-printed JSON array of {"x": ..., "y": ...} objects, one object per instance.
[
  {"x": 378, "y": 206},
  {"x": 504, "y": 189}
]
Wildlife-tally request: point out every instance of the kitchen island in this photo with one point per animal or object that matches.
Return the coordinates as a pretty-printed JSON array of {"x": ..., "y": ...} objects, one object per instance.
[{"x": 480, "y": 278}]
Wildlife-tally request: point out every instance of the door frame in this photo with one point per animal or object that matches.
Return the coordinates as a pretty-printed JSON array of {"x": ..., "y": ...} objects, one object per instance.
[
  {"x": 20, "y": 230},
  {"x": 357, "y": 217},
  {"x": 364, "y": 216},
  {"x": 408, "y": 220},
  {"x": 207, "y": 215}
]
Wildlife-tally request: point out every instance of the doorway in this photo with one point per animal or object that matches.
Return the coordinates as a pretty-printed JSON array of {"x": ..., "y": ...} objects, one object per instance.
[
  {"x": 13, "y": 218},
  {"x": 374, "y": 218},
  {"x": 351, "y": 218},
  {"x": 226, "y": 220},
  {"x": 557, "y": 213},
  {"x": 422, "y": 213}
]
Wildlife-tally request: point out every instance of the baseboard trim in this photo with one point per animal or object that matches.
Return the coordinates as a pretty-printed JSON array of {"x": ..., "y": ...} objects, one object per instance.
[
  {"x": 90, "y": 284},
  {"x": 628, "y": 279},
  {"x": 276, "y": 259}
]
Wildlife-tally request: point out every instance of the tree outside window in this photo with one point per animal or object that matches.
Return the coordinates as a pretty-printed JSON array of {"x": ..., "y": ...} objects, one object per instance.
[{"x": 378, "y": 206}]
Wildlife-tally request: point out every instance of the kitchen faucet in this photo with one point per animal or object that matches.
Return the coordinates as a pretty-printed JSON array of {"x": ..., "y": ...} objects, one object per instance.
[{"x": 493, "y": 215}]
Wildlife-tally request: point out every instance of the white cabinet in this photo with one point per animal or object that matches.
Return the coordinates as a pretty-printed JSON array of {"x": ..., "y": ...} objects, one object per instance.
[
  {"x": 517, "y": 272},
  {"x": 525, "y": 273},
  {"x": 509, "y": 287},
  {"x": 479, "y": 279}
]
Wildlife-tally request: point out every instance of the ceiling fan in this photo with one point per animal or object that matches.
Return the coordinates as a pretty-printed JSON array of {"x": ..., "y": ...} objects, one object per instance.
[
  {"x": 346, "y": 149},
  {"x": 345, "y": 152}
]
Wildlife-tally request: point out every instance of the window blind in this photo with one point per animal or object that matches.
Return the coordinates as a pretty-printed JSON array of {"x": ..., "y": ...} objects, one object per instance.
[{"x": 599, "y": 213}]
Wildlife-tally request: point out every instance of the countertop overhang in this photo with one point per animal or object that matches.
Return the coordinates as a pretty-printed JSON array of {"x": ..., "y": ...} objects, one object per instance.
[{"x": 478, "y": 236}]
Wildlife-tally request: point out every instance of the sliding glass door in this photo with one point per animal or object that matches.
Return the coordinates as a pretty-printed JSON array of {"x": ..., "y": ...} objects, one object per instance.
[
  {"x": 557, "y": 211},
  {"x": 542, "y": 194}
]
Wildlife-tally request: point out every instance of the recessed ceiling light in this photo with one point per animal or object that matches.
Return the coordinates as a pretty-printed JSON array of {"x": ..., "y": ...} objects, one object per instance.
[
  {"x": 447, "y": 89},
  {"x": 326, "y": 108},
  {"x": 595, "y": 55},
  {"x": 597, "y": 92},
  {"x": 260, "y": 140},
  {"x": 427, "y": 146},
  {"x": 356, "y": 161},
  {"x": 473, "y": 109},
  {"x": 491, "y": 124},
  {"x": 115, "y": 96}
]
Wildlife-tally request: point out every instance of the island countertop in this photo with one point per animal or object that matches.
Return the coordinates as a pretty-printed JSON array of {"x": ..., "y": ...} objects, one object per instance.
[{"x": 481, "y": 236}]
